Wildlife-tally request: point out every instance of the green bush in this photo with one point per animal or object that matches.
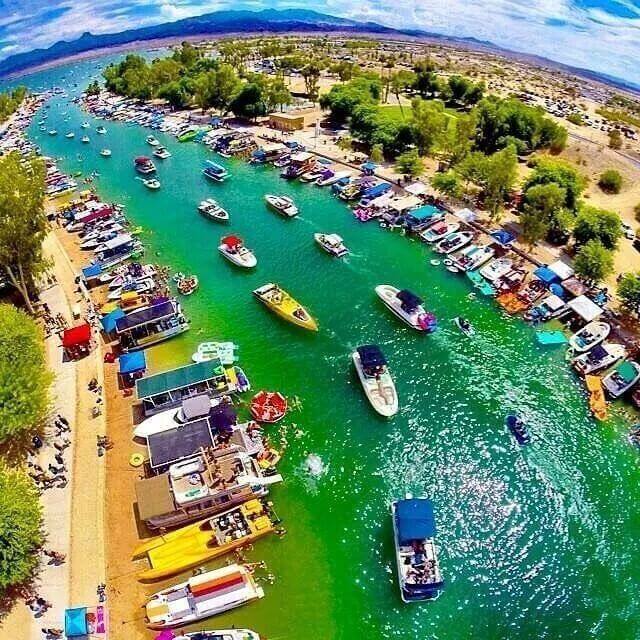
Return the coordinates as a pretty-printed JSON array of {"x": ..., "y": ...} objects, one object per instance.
[{"x": 610, "y": 181}]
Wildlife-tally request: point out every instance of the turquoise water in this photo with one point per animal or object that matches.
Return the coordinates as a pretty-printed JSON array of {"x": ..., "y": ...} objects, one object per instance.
[{"x": 538, "y": 542}]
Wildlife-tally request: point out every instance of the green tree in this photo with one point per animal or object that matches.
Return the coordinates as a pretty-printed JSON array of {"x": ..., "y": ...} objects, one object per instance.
[
  {"x": 343, "y": 99},
  {"x": 175, "y": 94},
  {"x": 615, "y": 139},
  {"x": 447, "y": 184},
  {"x": 500, "y": 178},
  {"x": 534, "y": 228},
  {"x": 10, "y": 101},
  {"x": 561, "y": 173},
  {"x": 597, "y": 224},
  {"x": 278, "y": 95},
  {"x": 593, "y": 261},
  {"x": 250, "y": 101},
  {"x": 546, "y": 203},
  {"x": 456, "y": 140},
  {"x": 429, "y": 121},
  {"x": 629, "y": 292},
  {"x": 410, "y": 164},
  {"x": 24, "y": 378},
  {"x": 376, "y": 154},
  {"x": 610, "y": 181},
  {"x": 21, "y": 532},
  {"x": 399, "y": 83},
  {"x": 311, "y": 75},
  {"x": 93, "y": 88},
  {"x": 187, "y": 55},
  {"x": 23, "y": 222}
]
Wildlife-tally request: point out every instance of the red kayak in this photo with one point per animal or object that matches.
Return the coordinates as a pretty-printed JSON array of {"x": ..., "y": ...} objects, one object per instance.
[{"x": 268, "y": 406}]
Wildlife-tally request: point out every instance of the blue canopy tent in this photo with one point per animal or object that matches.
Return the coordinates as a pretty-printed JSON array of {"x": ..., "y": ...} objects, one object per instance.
[
  {"x": 422, "y": 216},
  {"x": 557, "y": 290},
  {"x": 92, "y": 271},
  {"x": 132, "y": 367},
  {"x": 75, "y": 622},
  {"x": 371, "y": 356},
  {"x": 503, "y": 237},
  {"x": 546, "y": 275},
  {"x": 368, "y": 168},
  {"x": 415, "y": 520},
  {"x": 108, "y": 321}
]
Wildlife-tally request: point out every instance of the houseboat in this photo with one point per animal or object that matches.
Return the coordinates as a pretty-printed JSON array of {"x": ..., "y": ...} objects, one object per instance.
[{"x": 300, "y": 163}]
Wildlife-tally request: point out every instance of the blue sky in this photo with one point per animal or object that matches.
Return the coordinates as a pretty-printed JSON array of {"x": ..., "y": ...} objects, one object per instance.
[{"x": 603, "y": 35}]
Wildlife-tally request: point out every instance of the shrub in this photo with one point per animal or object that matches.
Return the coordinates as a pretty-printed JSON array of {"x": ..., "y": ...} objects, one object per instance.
[{"x": 610, "y": 181}]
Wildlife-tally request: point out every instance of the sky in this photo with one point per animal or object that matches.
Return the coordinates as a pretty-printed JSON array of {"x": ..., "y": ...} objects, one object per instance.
[{"x": 602, "y": 35}]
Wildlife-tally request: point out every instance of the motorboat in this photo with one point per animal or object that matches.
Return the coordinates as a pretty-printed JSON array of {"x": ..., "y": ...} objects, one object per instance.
[
  {"x": 408, "y": 307},
  {"x": 85, "y": 139},
  {"x": 85, "y": 125},
  {"x": 233, "y": 249},
  {"x": 201, "y": 542},
  {"x": 202, "y": 596},
  {"x": 268, "y": 406},
  {"x": 622, "y": 378},
  {"x": 311, "y": 176},
  {"x": 373, "y": 372},
  {"x": 439, "y": 231},
  {"x": 518, "y": 429},
  {"x": 187, "y": 285},
  {"x": 332, "y": 243},
  {"x": 144, "y": 165},
  {"x": 70, "y": 135},
  {"x": 496, "y": 269},
  {"x": 215, "y": 171},
  {"x": 414, "y": 530},
  {"x": 283, "y": 161},
  {"x": 187, "y": 134},
  {"x": 139, "y": 286},
  {"x": 282, "y": 204},
  {"x": 454, "y": 241},
  {"x": 221, "y": 634},
  {"x": 472, "y": 257},
  {"x": 151, "y": 183},
  {"x": 464, "y": 325},
  {"x": 333, "y": 179},
  {"x": 101, "y": 130},
  {"x": 550, "y": 307},
  {"x": 285, "y": 306},
  {"x": 161, "y": 152},
  {"x": 154, "y": 142},
  {"x": 212, "y": 210},
  {"x": 105, "y": 153},
  {"x": 602, "y": 356},
  {"x": 589, "y": 336},
  {"x": 134, "y": 271},
  {"x": 53, "y": 132}
]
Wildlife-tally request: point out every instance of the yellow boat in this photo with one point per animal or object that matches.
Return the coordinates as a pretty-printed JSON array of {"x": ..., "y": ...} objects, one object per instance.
[
  {"x": 281, "y": 303},
  {"x": 202, "y": 541},
  {"x": 597, "y": 401}
]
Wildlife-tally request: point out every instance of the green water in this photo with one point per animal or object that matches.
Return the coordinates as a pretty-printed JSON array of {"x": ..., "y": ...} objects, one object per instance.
[{"x": 540, "y": 542}]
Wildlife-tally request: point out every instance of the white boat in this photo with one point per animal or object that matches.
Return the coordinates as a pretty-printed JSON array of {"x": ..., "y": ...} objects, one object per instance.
[
  {"x": 454, "y": 241},
  {"x": 282, "y": 204},
  {"x": 53, "y": 132},
  {"x": 70, "y": 135},
  {"x": 496, "y": 269},
  {"x": 378, "y": 385},
  {"x": 220, "y": 634},
  {"x": 336, "y": 177},
  {"x": 622, "y": 378},
  {"x": 85, "y": 139},
  {"x": 233, "y": 249},
  {"x": 311, "y": 176},
  {"x": 85, "y": 125},
  {"x": 101, "y": 130},
  {"x": 151, "y": 183},
  {"x": 140, "y": 286},
  {"x": 161, "y": 152},
  {"x": 332, "y": 243},
  {"x": 105, "y": 153},
  {"x": 472, "y": 257},
  {"x": 439, "y": 231},
  {"x": 154, "y": 142},
  {"x": 406, "y": 306},
  {"x": 202, "y": 596},
  {"x": 130, "y": 272},
  {"x": 601, "y": 357},
  {"x": 465, "y": 326},
  {"x": 212, "y": 210},
  {"x": 589, "y": 336},
  {"x": 414, "y": 530}
]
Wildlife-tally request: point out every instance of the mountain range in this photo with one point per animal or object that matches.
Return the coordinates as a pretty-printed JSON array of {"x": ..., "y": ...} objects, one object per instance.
[{"x": 268, "y": 20}]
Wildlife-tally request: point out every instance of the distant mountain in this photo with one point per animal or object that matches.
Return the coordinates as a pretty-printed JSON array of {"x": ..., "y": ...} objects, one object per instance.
[{"x": 270, "y": 20}]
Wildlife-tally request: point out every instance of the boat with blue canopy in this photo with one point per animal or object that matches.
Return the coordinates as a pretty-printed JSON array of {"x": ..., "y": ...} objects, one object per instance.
[
  {"x": 215, "y": 171},
  {"x": 414, "y": 530}
]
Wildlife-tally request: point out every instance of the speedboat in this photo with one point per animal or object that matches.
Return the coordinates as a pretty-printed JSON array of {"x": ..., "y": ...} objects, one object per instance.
[
  {"x": 284, "y": 305},
  {"x": 518, "y": 428},
  {"x": 154, "y": 142},
  {"x": 233, "y": 249},
  {"x": 414, "y": 530},
  {"x": 53, "y": 132},
  {"x": 464, "y": 325},
  {"x": 139, "y": 286},
  {"x": 151, "y": 183},
  {"x": 332, "y": 179},
  {"x": 144, "y": 165},
  {"x": 85, "y": 125},
  {"x": 203, "y": 541},
  {"x": 378, "y": 385},
  {"x": 622, "y": 378},
  {"x": 212, "y": 210},
  {"x": 496, "y": 269},
  {"x": 454, "y": 241},
  {"x": 161, "y": 152},
  {"x": 602, "y": 356},
  {"x": 589, "y": 336},
  {"x": 550, "y": 307},
  {"x": 311, "y": 176},
  {"x": 471, "y": 257},
  {"x": 439, "y": 231},
  {"x": 221, "y": 634},
  {"x": 202, "y": 596},
  {"x": 282, "y": 204},
  {"x": 70, "y": 135},
  {"x": 215, "y": 171},
  {"x": 85, "y": 139},
  {"x": 105, "y": 153},
  {"x": 101, "y": 130},
  {"x": 332, "y": 243},
  {"x": 408, "y": 307}
]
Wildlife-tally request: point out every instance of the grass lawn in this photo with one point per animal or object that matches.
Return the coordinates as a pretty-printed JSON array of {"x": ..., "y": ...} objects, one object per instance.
[{"x": 393, "y": 111}]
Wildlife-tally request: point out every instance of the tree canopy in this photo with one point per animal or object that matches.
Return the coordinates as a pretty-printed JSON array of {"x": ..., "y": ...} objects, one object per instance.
[
  {"x": 10, "y": 101},
  {"x": 24, "y": 378},
  {"x": 629, "y": 292},
  {"x": 610, "y": 181},
  {"x": 597, "y": 224},
  {"x": 548, "y": 171},
  {"x": 20, "y": 527},
  {"x": 593, "y": 261},
  {"x": 343, "y": 99}
]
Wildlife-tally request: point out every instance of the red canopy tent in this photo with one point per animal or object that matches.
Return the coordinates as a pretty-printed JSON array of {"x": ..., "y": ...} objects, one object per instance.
[
  {"x": 76, "y": 340},
  {"x": 232, "y": 241}
]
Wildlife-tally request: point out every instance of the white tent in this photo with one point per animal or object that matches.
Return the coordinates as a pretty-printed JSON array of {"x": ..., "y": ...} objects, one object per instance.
[
  {"x": 561, "y": 269},
  {"x": 586, "y": 308},
  {"x": 466, "y": 214},
  {"x": 416, "y": 188},
  {"x": 553, "y": 302},
  {"x": 402, "y": 204}
]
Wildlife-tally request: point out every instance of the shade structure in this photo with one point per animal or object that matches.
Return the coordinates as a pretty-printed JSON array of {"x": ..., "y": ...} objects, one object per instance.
[
  {"x": 232, "y": 241},
  {"x": 416, "y": 188},
  {"x": 421, "y": 214},
  {"x": 223, "y": 417},
  {"x": 466, "y": 214},
  {"x": 108, "y": 321},
  {"x": 574, "y": 286},
  {"x": 562, "y": 269},
  {"x": 371, "y": 356},
  {"x": 92, "y": 271},
  {"x": 546, "y": 275},
  {"x": 132, "y": 362},
  {"x": 75, "y": 622},
  {"x": 586, "y": 308},
  {"x": 503, "y": 237},
  {"x": 414, "y": 520},
  {"x": 76, "y": 336}
]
